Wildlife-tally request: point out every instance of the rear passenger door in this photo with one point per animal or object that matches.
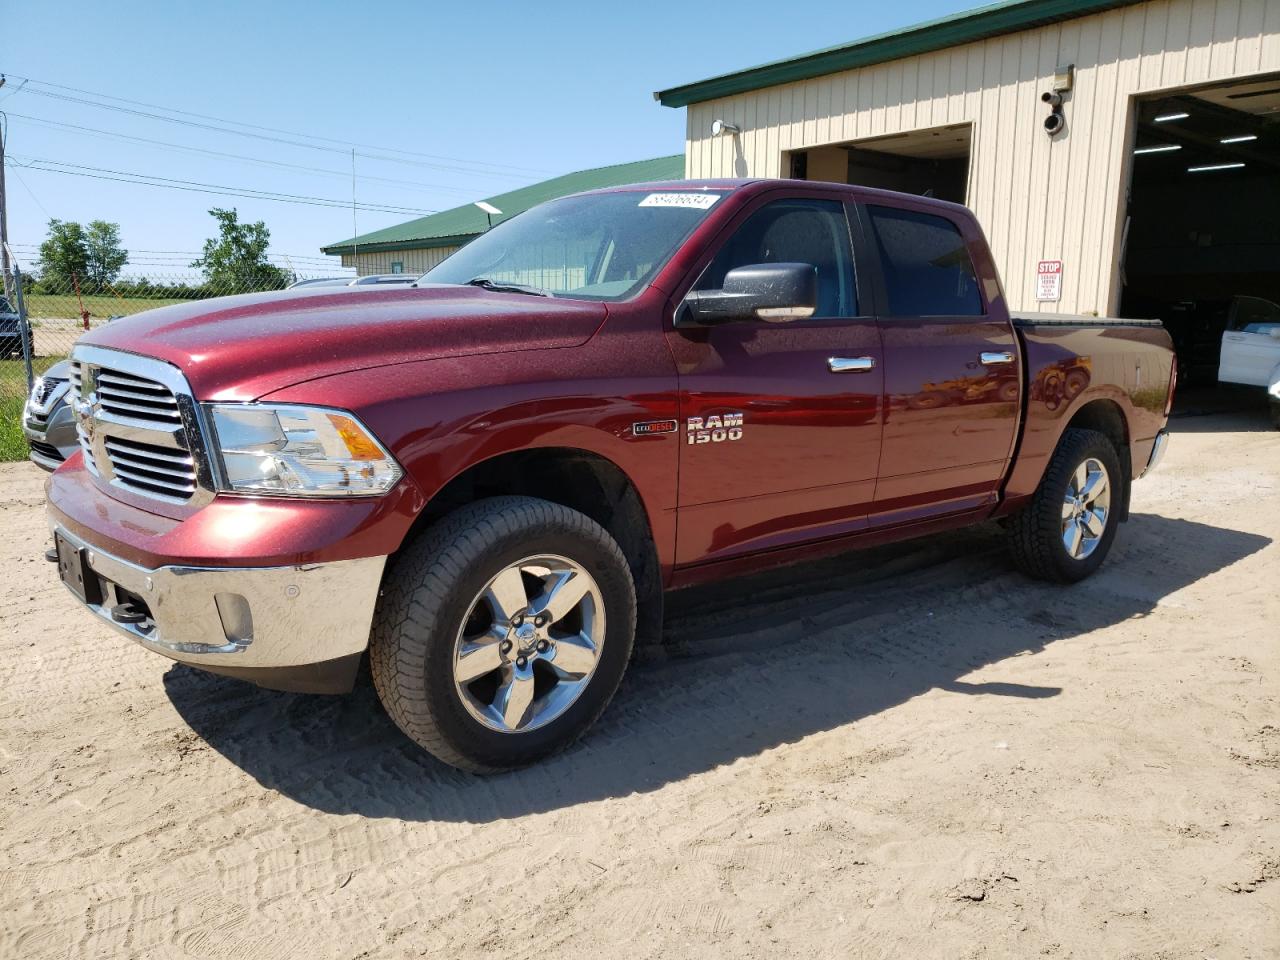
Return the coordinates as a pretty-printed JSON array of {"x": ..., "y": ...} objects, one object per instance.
[{"x": 951, "y": 367}]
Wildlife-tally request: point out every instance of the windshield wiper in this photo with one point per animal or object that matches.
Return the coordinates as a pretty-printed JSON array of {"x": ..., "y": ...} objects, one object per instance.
[{"x": 502, "y": 286}]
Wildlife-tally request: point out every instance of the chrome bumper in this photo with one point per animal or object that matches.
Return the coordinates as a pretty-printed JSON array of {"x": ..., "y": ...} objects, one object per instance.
[
  {"x": 243, "y": 617},
  {"x": 1157, "y": 452}
]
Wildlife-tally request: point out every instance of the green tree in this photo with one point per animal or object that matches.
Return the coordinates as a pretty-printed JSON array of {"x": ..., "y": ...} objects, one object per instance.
[
  {"x": 105, "y": 256},
  {"x": 64, "y": 254},
  {"x": 236, "y": 259},
  {"x": 92, "y": 256}
]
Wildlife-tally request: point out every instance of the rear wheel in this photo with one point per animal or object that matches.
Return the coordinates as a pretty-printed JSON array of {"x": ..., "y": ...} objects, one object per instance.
[
  {"x": 503, "y": 632},
  {"x": 1066, "y": 531}
]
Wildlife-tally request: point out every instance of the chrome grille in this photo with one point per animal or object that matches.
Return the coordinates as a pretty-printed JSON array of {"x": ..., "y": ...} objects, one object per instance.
[
  {"x": 45, "y": 387},
  {"x": 138, "y": 426}
]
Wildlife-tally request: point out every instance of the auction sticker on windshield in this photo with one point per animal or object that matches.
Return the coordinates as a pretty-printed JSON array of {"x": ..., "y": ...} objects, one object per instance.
[{"x": 698, "y": 201}]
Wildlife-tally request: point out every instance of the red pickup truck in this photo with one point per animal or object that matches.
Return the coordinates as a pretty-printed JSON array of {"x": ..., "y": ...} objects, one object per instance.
[{"x": 487, "y": 482}]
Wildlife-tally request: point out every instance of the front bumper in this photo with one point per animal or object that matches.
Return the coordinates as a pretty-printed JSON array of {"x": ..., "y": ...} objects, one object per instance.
[{"x": 302, "y": 627}]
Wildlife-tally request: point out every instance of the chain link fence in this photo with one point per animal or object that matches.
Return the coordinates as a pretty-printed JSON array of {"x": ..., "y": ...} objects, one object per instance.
[{"x": 41, "y": 318}]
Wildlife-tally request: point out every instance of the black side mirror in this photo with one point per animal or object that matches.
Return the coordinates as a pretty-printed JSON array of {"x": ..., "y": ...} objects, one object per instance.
[{"x": 776, "y": 292}]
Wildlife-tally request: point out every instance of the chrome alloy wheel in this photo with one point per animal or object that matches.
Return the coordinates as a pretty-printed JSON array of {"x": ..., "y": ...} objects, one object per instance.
[
  {"x": 529, "y": 644},
  {"x": 1086, "y": 508}
]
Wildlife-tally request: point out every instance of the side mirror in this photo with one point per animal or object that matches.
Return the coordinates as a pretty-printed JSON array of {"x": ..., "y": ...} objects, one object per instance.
[{"x": 776, "y": 292}]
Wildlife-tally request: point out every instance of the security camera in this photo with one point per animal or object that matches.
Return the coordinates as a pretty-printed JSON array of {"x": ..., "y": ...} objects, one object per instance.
[
  {"x": 719, "y": 128},
  {"x": 1055, "y": 123}
]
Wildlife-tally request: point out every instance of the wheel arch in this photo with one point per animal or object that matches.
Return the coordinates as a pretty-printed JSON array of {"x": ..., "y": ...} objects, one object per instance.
[
  {"x": 581, "y": 480},
  {"x": 1106, "y": 416}
]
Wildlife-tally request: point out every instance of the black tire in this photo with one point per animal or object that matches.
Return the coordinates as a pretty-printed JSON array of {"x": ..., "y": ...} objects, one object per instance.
[
  {"x": 428, "y": 591},
  {"x": 1275, "y": 414},
  {"x": 1035, "y": 533}
]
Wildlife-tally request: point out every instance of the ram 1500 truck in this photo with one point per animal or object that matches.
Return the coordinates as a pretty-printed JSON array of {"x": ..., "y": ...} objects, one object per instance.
[{"x": 487, "y": 482}]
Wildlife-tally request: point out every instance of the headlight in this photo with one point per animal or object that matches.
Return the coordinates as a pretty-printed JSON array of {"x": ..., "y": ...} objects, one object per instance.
[{"x": 297, "y": 451}]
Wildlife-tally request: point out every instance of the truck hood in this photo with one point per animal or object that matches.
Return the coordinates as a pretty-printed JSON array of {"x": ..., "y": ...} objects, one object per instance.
[{"x": 240, "y": 348}]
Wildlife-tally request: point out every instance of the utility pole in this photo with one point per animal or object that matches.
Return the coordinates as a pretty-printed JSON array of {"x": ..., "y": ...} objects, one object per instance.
[{"x": 4, "y": 211}]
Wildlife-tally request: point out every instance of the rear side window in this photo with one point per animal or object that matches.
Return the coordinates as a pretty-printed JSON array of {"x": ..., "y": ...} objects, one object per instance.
[{"x": 927, "y": 270}]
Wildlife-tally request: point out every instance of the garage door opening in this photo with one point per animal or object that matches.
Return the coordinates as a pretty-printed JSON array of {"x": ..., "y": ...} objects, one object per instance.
[
  {"x": 1203, "y": 228},
  {"x": 933, "y": 162}
]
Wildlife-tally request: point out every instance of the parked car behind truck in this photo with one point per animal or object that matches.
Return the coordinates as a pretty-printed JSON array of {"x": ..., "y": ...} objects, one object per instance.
[
  {"x": 48, "y": 422},
  {"x": 1251, "y": 348},
  {"x": 11, "y": 333},
  {"x": 487, "y": 483}
]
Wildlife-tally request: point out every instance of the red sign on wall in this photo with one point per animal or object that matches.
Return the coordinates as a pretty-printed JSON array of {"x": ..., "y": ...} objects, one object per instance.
[{"x": 1049, "y": 280}]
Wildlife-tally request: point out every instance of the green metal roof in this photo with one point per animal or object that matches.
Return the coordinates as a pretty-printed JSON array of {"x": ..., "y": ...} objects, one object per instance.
[
  {"x": 966, "y": 27},
  {"x": 455, "y": 227}
]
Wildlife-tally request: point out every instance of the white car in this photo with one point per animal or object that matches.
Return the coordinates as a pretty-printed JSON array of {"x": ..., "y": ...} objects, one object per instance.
[{"x": 1251, "y": 348}]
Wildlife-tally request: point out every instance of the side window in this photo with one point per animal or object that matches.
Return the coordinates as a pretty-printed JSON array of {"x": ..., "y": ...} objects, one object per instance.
[
  {"x": 795, "y": 231},
  {"x": 927, "y": 270}
]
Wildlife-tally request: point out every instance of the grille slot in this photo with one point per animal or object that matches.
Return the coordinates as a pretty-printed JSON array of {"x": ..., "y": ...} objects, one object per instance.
[
  {"x": 87, "y": 449},
  {"x": 137, "y": 398},
  {"x": 152, "y": 469}
]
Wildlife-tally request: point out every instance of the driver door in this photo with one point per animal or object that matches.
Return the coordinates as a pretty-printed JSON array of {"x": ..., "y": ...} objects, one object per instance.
[{"x": 780, "y": 422}]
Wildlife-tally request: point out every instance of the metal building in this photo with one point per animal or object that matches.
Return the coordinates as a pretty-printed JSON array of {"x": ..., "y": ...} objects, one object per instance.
[{"x": 1120, "y": 155}]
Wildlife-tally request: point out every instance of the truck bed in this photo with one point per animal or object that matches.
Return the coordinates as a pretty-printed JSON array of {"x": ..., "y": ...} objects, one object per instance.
[{"x": 1076, "y": 320}]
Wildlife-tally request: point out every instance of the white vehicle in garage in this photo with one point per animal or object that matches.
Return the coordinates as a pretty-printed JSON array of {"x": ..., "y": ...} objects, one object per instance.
[{"x": 1251, "y": 348}]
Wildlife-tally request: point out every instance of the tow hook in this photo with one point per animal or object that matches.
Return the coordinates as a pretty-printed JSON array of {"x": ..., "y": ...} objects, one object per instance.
[{"x": 127, "y": 613}]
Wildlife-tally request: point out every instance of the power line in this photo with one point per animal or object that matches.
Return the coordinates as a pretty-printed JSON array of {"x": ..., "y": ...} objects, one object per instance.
[
  {"x": 292, "y": 133},
  {"x": 195, "y": 186},
  {"x": 110, "y": 134},
  {"x": 454, "y": 167}
]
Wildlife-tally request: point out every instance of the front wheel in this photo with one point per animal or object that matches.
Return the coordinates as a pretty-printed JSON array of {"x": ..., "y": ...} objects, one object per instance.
[
  {"x": 1066, "y": 531},
  {"x": 503, "y": 632}
]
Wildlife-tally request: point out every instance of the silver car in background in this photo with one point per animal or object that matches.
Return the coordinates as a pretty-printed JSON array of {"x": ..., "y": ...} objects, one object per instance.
[{"x": 48, "y": 420}]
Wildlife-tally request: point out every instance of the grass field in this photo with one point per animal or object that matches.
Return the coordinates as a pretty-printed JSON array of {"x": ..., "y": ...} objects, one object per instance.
[
  {"x": 13, "y": 393},
  {"x": 13, "y": 445},
  {"x": 100, "y": 306}
]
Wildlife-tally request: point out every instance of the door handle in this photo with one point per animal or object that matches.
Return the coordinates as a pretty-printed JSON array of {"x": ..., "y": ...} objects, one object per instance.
[
  {"x": 995, "y": 359},
  {"x": 851, "y": 364}
]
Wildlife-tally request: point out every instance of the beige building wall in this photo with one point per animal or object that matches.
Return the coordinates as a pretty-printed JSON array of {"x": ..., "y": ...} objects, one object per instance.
[
  {"x": 1036, "y": 198},
  {"x": 415, "y": 261}
]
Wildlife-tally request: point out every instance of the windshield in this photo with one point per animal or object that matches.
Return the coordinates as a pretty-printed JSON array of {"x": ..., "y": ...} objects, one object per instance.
[{"x": 603, "y": 246}]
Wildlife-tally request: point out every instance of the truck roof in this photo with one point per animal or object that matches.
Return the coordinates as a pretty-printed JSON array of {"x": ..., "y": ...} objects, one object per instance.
[{"x": 754, "y": 184}]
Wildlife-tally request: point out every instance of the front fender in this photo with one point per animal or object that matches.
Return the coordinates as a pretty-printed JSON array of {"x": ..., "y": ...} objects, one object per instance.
[{"x": 441, "y": 417}]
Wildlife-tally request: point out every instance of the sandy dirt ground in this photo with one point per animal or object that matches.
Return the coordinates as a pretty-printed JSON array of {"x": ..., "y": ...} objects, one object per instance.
[{"x": 908, "y": 753}]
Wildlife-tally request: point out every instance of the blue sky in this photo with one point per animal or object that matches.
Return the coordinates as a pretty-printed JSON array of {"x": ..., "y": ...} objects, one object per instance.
[{"x": 497, "y": 94}]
